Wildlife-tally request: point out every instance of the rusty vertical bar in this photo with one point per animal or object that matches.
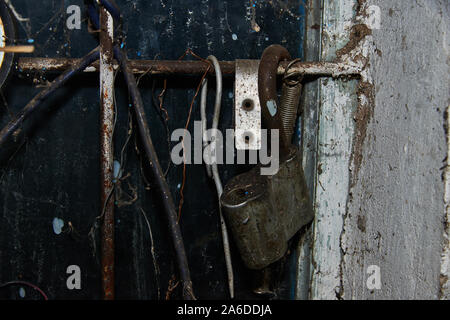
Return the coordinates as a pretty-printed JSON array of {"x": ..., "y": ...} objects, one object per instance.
[{"x": 106, "y": 151}]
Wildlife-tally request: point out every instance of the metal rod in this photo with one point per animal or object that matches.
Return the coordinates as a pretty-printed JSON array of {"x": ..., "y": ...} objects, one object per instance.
[
  {"x": 106, "y": 151},
  {"x": 158, "y": 176},
  {"x": 17, "y": 49},
  {"x": 174, "y": 67},
  {"x": 37, "y": 101},
  {"x": 267, "y": 89}
]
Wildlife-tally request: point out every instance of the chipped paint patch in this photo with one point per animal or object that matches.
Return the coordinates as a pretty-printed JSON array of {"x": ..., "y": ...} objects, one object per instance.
[
  {"x": 58, "y": 225},
  {"x": 272, "y": 107},
  {"x": 334, "y": 151},
  {"x": 116, "y": 169},
  {"x": 373, "y": 18},
  {"x": 334, "y": 154}
]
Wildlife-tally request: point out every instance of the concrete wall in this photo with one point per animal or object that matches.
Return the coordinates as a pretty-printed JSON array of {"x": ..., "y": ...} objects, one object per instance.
[
  {"x": 395, "y": 216},
  {"x": 381, "y": 152}
]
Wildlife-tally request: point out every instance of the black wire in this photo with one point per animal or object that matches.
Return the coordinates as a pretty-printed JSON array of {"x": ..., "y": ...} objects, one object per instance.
[
  {"x": 36, "y": 102},
  {"x": 158, "y": 175}
]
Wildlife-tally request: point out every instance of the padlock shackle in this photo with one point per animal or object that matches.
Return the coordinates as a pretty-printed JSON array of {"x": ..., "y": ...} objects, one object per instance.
[{"x": 267, "y": 89}]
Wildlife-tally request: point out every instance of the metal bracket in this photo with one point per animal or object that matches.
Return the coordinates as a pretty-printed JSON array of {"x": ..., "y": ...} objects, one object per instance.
[{"x": 247, "y": 109}]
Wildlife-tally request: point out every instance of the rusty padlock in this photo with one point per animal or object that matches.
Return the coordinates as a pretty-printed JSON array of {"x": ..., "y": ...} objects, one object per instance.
[{"x": 265, "y": 211}]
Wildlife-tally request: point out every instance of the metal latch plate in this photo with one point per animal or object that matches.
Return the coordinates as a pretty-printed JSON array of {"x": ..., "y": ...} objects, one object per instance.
[{"x": 247, "y": 109}]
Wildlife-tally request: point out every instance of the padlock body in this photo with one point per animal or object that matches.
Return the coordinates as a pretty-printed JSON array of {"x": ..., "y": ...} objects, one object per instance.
[{"x": 264, "y": 212}]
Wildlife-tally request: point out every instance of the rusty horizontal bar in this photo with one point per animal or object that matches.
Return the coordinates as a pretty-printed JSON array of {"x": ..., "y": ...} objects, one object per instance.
[{"x": 175, "y": 67}]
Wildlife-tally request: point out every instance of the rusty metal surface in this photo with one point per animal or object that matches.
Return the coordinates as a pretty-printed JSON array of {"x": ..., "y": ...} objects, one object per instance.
[
  {"x": 267, "y": 87},
  {"x": 290, "y": 98},
  {"x": 106, "y": 152},
  {"x": 173, "y": 67},
  {"x": 247, "y": 110},
  {"x": 264, "y": 212}
]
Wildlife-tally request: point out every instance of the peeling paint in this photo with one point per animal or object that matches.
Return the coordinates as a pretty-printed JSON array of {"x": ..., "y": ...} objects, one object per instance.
[
  {"x": 342, "y": 127},
  {"x": 58, "y": 225},
  {"x": 445, "y": 256},
  {"x": 336, "y": 127},
  {"x": 272, "y": 107}
]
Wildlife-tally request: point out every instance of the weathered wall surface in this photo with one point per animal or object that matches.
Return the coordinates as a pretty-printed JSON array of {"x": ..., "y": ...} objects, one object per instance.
[
  {"x": 395, "y": 213},
  {"x": 381, "y": 152}
]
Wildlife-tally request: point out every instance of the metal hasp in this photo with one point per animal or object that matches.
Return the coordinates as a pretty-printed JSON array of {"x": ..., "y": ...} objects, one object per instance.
[
  {"x": 247, "y": 110},
  {"x": 265, "y": 211}
]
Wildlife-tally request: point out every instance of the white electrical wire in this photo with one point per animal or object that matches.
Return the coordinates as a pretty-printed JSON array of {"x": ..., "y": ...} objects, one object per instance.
[
  {"x": 204, "y": 121},
  {"x": 212, "y": 169}
]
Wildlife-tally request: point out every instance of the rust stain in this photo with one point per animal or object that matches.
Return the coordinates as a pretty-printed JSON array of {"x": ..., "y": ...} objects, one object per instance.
[
  {"x": 361, "y": 223},
  {"x": 365, "y": 92},
  {"x": 106, "y": 149},
  {"x": 357, "y": 33},
  {"x": 362, "y": 117}
]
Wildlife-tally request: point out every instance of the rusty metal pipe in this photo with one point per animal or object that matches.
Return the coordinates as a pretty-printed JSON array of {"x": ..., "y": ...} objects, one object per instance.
[
  {"x": 174, "y": 67},
  {"x": 106, "y": 152},
  {"x": 151, "y": 67}
]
